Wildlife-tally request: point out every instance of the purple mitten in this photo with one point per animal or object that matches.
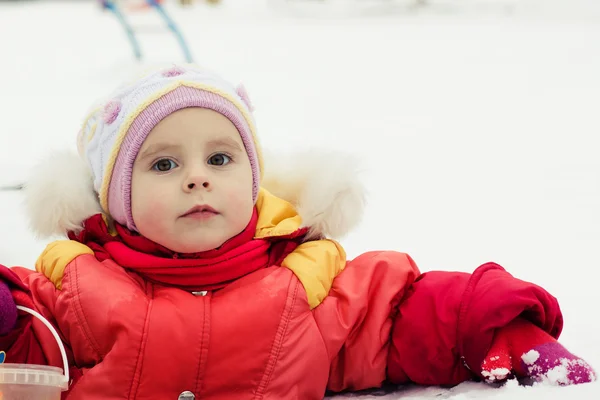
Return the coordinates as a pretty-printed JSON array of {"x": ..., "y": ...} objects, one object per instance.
[
  {"x": 8, "y": 310},
  {"x": 551, "y": 362}
]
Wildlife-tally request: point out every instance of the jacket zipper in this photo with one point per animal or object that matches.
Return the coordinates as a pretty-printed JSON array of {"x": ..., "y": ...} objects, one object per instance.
[{"x": 204, "y": 340}]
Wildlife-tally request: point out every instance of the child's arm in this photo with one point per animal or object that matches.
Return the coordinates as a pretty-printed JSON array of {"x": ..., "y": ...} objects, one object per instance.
[
  {"x": 447, "y": 323},
  {"x": 355, "y": 319},
  {"x": 19, "y": 341}
]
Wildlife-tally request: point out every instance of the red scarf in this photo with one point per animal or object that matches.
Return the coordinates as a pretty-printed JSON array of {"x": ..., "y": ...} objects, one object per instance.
[{"x": 209, "y": 270}]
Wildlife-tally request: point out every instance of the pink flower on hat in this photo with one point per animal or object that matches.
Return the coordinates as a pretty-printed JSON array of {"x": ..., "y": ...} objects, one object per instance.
[
  {"x": 111, "y": 111},
  {"x": 175, "y": 71},
  {"x": 241, "y": 91}
]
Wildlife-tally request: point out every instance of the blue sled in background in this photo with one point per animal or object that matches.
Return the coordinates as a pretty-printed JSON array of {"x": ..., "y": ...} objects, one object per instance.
[{"x": 112, "y": 6}]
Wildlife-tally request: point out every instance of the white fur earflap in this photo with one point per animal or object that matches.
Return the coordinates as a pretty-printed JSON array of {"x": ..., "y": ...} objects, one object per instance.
[
  {"x": 324, "y": 186},
  {"x": 59, "y": 194}
]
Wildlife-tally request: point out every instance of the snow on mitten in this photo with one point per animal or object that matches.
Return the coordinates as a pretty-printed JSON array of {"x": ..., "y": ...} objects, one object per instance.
[{"x": 525, "y": 350}]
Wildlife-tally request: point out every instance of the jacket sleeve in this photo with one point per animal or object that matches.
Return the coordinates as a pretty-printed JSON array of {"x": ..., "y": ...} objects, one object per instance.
[
  {"x": 355, "y": 318},
  {"x": 31, "y": 341},
  {"x": 23, "y": 345},
  {"x": 446, "y": 324}
]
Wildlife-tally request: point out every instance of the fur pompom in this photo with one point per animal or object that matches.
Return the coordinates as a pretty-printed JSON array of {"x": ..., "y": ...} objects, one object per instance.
[
  {"x": 324, "y": 186},
  {"x": 59, "y": 195}
]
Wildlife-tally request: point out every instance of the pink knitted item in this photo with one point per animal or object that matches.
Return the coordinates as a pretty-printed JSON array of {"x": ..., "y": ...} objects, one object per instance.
[
  {"x": 551, "y": 362},
  {"x": 8, "y": 310}
]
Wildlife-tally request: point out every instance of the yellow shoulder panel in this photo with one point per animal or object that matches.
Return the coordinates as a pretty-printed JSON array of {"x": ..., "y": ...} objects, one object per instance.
[
  {"x": 276, "y": 217},
  {"x": 55, "y": 258},
  {"x": 316, "y": 264}
]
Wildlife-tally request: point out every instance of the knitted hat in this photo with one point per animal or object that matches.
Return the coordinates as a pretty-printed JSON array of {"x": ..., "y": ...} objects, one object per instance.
[{"x": 113, "y": 134}]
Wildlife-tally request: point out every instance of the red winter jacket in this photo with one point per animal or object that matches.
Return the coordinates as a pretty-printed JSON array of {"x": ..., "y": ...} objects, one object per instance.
[{"x": 305, "y": 321}]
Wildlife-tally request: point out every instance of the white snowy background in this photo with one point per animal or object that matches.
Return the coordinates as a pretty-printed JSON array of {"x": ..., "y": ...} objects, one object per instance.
[{"x": 477, "y": 122}]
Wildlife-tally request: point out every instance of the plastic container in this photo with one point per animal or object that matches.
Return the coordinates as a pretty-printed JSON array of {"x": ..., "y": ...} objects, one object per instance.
[{"x": 34, "y": 382}]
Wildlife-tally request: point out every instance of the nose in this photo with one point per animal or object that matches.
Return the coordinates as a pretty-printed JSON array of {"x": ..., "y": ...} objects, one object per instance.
[
  {"x": 193, "y": 185},
  {"x": 197, "y": 179}
]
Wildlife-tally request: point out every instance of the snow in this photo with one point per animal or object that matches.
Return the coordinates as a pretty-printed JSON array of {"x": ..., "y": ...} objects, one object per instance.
[
  {"x": 496, "y": 374},
  {"x": 530, "y": 357},
  {"x": 559, "y": 374},
  {"x": 477, "y": 121}
]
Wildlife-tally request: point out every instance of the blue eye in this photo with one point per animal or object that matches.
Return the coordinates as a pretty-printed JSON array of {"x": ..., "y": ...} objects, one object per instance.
[
  {"x": 219, "y": 159},
  {"x": 164, "y": 165}
]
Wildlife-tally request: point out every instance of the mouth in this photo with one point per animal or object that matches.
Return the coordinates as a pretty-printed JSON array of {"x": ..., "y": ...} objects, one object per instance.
[{"x": 200, "y": 212}]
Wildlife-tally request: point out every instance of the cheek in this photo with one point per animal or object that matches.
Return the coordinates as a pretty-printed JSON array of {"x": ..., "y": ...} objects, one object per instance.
[
  {"x": 239, "y": 199},
  {"x": 149, "y": 214},
  {"x": 240, "y": 189},
  {"x": 154, "y": 212}
]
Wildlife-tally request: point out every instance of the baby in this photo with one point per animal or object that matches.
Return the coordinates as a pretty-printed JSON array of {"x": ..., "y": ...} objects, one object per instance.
[{"x": 192, "y": 271}]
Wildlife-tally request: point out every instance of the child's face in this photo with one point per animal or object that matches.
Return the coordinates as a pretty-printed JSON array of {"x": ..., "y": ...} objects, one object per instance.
[{"x": 192, "y": 158}]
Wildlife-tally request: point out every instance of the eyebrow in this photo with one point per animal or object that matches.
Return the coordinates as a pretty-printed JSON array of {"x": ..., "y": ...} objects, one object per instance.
[
  {"x": 225, "y": 142},
  {"x": 157, "y": 148}
]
